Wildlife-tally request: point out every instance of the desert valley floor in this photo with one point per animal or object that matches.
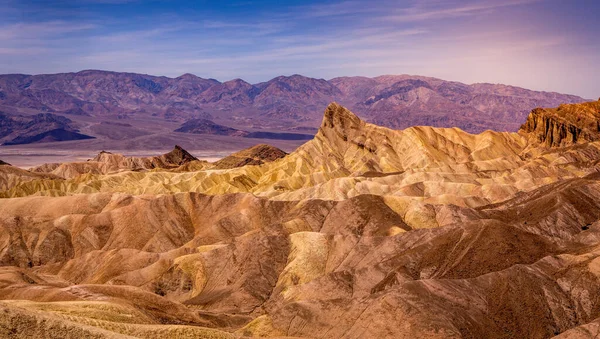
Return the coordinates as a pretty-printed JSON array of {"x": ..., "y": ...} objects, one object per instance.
[{"x": 361, "y": 232}]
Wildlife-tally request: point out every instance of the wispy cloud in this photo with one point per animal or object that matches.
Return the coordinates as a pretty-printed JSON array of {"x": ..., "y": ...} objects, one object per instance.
[
  {"x": 319, "y": 46},
  {"x": 41, "y": 29},
  {"x": 137, "y": 35},
  {"x": 337, "y": 9},
  {"x": 109, "y": 2},
  {"x": 427, "y": 10},
  {"x": 259, "y": 27},
  {"x": 16, "y": 51}
]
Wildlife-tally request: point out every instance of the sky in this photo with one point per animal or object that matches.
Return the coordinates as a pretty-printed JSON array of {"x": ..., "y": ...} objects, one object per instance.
[{"x": 550, "y": 45}]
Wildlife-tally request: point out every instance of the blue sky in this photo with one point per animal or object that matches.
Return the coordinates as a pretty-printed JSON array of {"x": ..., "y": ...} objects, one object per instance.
[{"x": 539, "y": 44}]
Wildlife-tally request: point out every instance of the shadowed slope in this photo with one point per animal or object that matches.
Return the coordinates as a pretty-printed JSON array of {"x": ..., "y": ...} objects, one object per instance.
[
  {"x": 256, "y": 155},
  {"x": 11, "y": 176}
]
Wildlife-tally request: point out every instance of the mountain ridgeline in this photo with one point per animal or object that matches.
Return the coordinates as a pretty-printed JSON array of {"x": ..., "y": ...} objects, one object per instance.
[{"x": 277, "y": 109}]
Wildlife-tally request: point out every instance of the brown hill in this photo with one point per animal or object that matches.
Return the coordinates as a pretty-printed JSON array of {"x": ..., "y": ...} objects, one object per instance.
[
  {"x": 205, "y": 126},
  {"x": 106, "y": 162},
  {"x": 255, "y": 155},
  {"x": 178, "y": 156},
  {"x": 361, "y": 232},
  {"x": 43, "y": 127},
  {"x": 11, "y": 176}
]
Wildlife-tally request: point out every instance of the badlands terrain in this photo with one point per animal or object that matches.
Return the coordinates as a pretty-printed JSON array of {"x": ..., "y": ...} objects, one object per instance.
[{"x": 361, "y": 232}]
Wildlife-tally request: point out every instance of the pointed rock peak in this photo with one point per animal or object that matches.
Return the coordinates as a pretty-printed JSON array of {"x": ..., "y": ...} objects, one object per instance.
[
  {"x": 340, "y": 119},
  {"x": 102, "y": 156},
  {"x": 179, "y": 156}
]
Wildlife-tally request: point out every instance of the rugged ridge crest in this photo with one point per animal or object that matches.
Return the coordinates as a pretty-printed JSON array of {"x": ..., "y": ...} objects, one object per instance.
[
  {"x": 565, "y": 125},
  {"x": 255, "y": 155},
  {"x": 339, "y": 121},
  {"x": 107, "y": 162}
]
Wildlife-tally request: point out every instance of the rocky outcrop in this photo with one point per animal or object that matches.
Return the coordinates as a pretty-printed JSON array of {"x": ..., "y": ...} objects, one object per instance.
[
  {"x": 107, "y": 162},
  {"x": 341, "y": 121},
  {"x": 565, "y": 125},
  {"x": 255, "y": 155},
  {"x": 177, "y": 157},
  {"x": 12, "y": 176}
]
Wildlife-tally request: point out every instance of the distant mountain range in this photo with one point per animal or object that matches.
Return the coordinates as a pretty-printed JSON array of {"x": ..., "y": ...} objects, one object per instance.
[{"x": 142, "y": 104}]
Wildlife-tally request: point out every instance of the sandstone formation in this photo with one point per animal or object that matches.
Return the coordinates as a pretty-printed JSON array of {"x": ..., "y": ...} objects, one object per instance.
[
  {"x": 256, "y": 155},
  {"x": 107, "y": 162},
  {"x": 362, "y": 232},
  {"x": 12, "y": 176},
  {"x": 565, "y": 125}
]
